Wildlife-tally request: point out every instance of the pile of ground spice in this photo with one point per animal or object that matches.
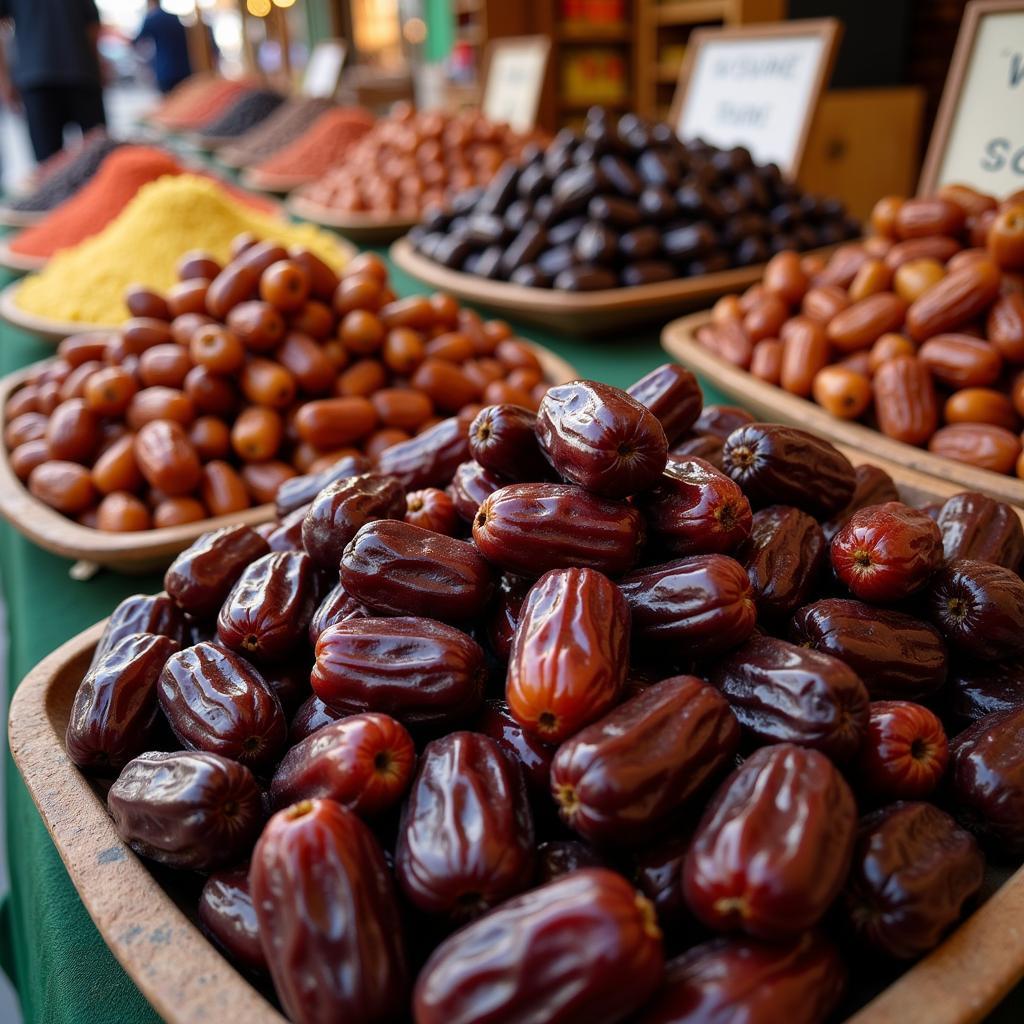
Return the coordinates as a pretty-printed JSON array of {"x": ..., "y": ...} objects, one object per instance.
[
  {"x": 248, "y": 110},
  {"x": 64, "y": 179},
  {"x": 143, "y": 244},
  {"x": 322, "y": 146},
  {"x": 183, "y": 95},
  {"x": 208, "y": 102},
  {"x": 283, "y": 126}
]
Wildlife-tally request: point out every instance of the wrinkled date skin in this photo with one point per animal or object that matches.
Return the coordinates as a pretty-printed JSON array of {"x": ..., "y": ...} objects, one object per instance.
[
  {"x": 693, "y": 607},
  {"x": 428, "y": 459},
  {"x": 228, "y": 916},
  {"x": 269, "y": 608},
  {"x": 986, "y": 781},
  {"x": 673, "y": 394},
  {"x": 503, "y": 439},
  {"x": 874, "y": 487},
  {"x": 570, "y": 653},
  {"x": 299, "y": 491},
  {"x": 799, "y": 982},
  {"x": 400, "y": 569},
  {"x": 328, "y": 917},
  {"x": 339, "y": 510},
  {"x": 189, "y": 809},
  {"x": 216, "y": 701},
  {"x": 980, "y": 528},
  {"x": 619, "y": 780},
  {"x": 201, "y": 577},
  {"x": 599, "y": 437},
  {"x": 584, "y": 947},
  {"x": 115, "y": 708},
  {"x": 533, "y": 756},
  {"x": 786, "y": 466},
  {"x": 783, "y": 557},
  {"x": 914, "y": 870},
  {"x": 416, "y": 670},
  {"x": 695, "y": 509},
  {"x": 976, "y": 689},
  {"x": 979, "y": 607},
  {"x": 905, "y": 752},
  {"x": 141, "y": 613},
  {"x": 528, "y": 529},
  {"x": 896, "y": 655},
  {"x": 782, "y": 693},
  {"x": 337, "y": 606},
  {"x": 886, "y": 552},
  {"x": 471, "y": 486},
  {"x": 364, "y": 762},
  {"x": 466, "y": 838},
  {"x": 772, "y": 850},
  {"x": 313, "y": 714}
]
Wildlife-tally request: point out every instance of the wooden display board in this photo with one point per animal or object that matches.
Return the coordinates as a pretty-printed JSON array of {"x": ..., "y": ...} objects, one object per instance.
[
  {"x": 978, "y": 139},
  {"x": 756, "y": 86},
  {"x": 513, "y": 77}
]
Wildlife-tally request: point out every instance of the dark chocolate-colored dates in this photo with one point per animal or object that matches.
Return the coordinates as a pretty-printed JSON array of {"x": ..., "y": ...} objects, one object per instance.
[
  {"x": 980, "y": 528},
  {"x": 673, "y": 394},
  {"x": 142, "y": 613},
  {"x": 503, "y": 439},
  {"x": 228, "y": 916}
]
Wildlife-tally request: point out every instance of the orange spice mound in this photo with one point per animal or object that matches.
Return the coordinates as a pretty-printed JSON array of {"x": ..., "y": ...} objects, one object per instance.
[
  {"x": 208, "y": 102},
  {"x": 322, "y": 146}
]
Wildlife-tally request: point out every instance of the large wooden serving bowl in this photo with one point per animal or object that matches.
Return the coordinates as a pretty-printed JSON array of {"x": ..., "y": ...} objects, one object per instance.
[
  {"x": 144, "y": 550},
  {"x": 364, "y": 228}
]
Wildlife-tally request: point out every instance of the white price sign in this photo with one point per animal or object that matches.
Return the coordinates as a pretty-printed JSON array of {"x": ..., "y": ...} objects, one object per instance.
[{"x": 513, "y": 80}]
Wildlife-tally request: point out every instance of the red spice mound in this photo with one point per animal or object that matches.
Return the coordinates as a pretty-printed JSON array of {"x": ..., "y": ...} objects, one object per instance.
[
  {"x": 211, "y": 98},
  {"x": 322, "y": 146}
]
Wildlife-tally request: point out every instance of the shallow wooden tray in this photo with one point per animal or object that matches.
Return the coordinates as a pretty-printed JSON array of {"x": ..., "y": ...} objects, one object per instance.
[
  {"x": 765, "y": 400},
  {"x": 19, "y": 261},
  {"x": 579, "y": 314},
  {"x": 369, "y": 228},
  {"x": 143, "y": 550},
  {"x": 12, "y": 218},
  {"x": 42, "y": 327},
  {"x": 155, "y": 937}
]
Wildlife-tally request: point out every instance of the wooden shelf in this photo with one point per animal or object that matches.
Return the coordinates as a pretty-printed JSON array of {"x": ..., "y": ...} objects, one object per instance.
[
  {"x": 690, "y": 12},
  {"x": 577, "y": 105},
  {"x": 569, "y": 32},
  {"x": 667, "y": 73}
]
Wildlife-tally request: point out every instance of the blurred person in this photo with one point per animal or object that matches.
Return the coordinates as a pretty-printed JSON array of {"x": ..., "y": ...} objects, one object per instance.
[
  {"x": 169, "y": 42},
  {"x": 56, "y": 73}
]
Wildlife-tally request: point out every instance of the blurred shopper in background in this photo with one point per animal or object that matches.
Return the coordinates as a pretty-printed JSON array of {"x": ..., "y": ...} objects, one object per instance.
[
  {"x": 168, "y": 41},
  {"x": 56, "y": 68}
]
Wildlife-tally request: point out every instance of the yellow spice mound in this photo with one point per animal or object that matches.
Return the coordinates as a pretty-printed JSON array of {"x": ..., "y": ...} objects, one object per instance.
[{"x": 167, "y": 217}]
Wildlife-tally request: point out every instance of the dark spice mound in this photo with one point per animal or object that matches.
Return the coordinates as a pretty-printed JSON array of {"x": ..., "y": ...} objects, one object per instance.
[
  {"x": 243, "y": 114},
  {"x": 70, "y": 174},
  {"x": 283, "y": 126}
]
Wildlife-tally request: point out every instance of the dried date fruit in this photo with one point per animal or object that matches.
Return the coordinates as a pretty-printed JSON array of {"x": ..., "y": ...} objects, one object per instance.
[
  {"x": 886, "y": 552},
  {"x": 777, "y": 465},
  {"x": 115, "y": 708},
  {"x": 429, "y": 459},
  {"x": 896, "y": 655},
  {"x": 503, "y": 439},
  {"x": 792, "y": 806},
  {"x": 954, "y": 301},
  {"x": 202, "y": 576},
  {"x": 782, "y": 693},
  {"x": 141, "y": 613},
  {"x": 466, "y": 838},
  {"x": 979, "y": 607},
  {"x": 697, "y": 606},
  {"x": 328, "y": 917},
  {"x": 188, "y": 809},
  {"x": 976, "y": 689},
  {"x": 400, "y": 569},
  {"x": 658, "y": 871},
  {"x": 600, "y": 438},
  {"x": 904, "y": 752},
  {"x": 432, "y": 509},
  {"x": 301, "y": 490},
  {"x": 471, "y": 486},
  {"x": 216, "y": 701},
  {"x": 270, "y": 605},
  {"x": 584, "y": 947},
  {"x": 905, "y": 401},
  {"x": 980, "y": 528},
  {"x": 337, "y": 606},
  {"x": 874, "y": 487},
  {"x": 673, "y": 394},
  {"x": 529, "y": 529},
  {"x": 364, "y": 762},
  {"x": 620, "y": 779},
  {"x": 504, "y": 613},
  {"x": 914, "y": 871},
  {"x": 721, "y": 420},
  {"x": 531, "y": 754},
  {"x": 568, "y": 610},
  {"x": 228, "y": 916},
  {"x": 313, "y": 714},
  {"x": 419, "y": 671}
]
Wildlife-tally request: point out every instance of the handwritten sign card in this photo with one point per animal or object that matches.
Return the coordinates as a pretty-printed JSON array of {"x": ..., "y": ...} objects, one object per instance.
[
  {"x": 756, "y": 86},
  {"x": 513, "y": 79},
  {"x": 323, "y": 72}
]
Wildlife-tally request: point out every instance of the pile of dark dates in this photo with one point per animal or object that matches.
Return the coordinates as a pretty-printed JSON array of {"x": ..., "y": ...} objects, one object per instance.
[
  {"x": 548, "y": 718},
  {"x": 624, "y": 203}
]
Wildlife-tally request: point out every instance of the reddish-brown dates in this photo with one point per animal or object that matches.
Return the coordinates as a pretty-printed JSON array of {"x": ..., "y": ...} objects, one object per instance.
[
  {"x": 301, "y": 490},
  {"x": 658, "y": 871},
  {"x": 977, "y": 688},
  {"x": 783, "y": 465},
  {"x": 619, "y": 779},
  {"x": 584, "y": 947},
  {"x": 416, "y": 670},
  {"x": 721, "y": 420},
  {"x": 570, "y": 653},
  {"x": 328, "y": 918},
  {"x": 428, "y": 459},
  {"x": 528, "y": 529},
  {"x": 791, "y": 806},
  {"x": 600, "y": 438},
  {"x": 518, "y": 745},
  {"x": 471, "y": 486},
  {"x": 431, "y": 509},
  {"x": 980, "y": 528},
  {"x": 559, "y": 857},
  {"x": 228, "y": 916},
  {"x": 364, "y": 762},
  {"x": 904, "y": 752},
  {"x": 141, "y": 613},
  {"x": 337, "y": 606},
  {"x": 874, "y": 487},
  {"x": 313, "y": 714},
  {"x": 216, "y": 701},
  {"x": 189, "y": 809},
  {"x": 400, "y": 569},
  {"x": 503, "y": 439},
  {"x": 466, "y": 838},
  {"x": 914, "y": 870},
  {"x": 886, "y": 552},
  {"x": 673, "y": 394}
]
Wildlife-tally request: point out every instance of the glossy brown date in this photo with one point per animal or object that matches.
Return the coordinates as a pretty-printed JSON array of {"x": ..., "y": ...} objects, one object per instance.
[
  {"x": 522, "y": 748},
  {"x": 673, "y": 394},
  {"x": 416, "y": 670},
  {"x": 792, "y": 806},
  {"x": 189, "y": 809},
  {"x": 338, "y": 605},
  {"x": 503, "y": 439},
  {"x": 141, "y": 613},
  {"x": 301, "y": 490},
  {"x": 980, "y": 528},
  {"x": 976, "y": 689},
  {"x": 600, "y": 438},
  {"x": 312, "y": 714},
  {"x": 328, "y": 916},
  {"x": 584, "y": 947},
  {"x": 873, "y": 487},
  {"x": 432, "y": 509},
  {"x": 620, "y": 779},
  {"x": 529, "y": 529},
  {"x": 227, "y": 915},
  {"x": 658, "y": 871},
  {"x": 905, "y": 751},
  {"x": 471, "y": 486},
  {"x": 428, "y": 459}
]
